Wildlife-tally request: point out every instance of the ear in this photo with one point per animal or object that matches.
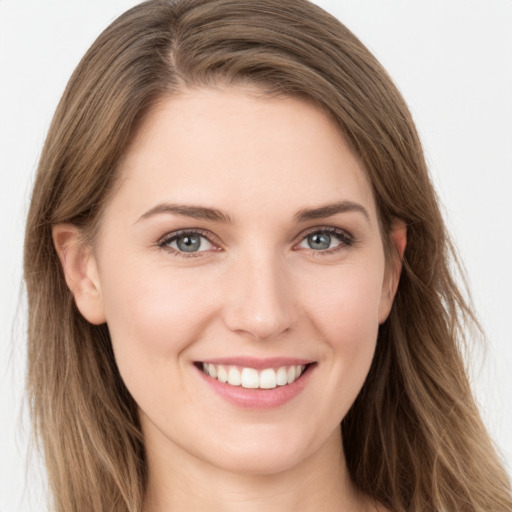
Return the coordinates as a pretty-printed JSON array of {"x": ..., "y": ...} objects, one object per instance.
[
  {"x": 398, "y": 237},
  {"x": 80, "y": 270}
]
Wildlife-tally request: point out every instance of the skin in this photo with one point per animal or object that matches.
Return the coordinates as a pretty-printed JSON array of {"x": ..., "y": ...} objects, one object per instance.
[{"x": 255, "y": 288}]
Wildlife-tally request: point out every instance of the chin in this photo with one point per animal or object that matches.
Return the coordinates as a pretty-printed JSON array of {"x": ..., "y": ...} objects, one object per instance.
[
  {"x": 269, "y": 452},
  {"x": 261, "y": 462}
]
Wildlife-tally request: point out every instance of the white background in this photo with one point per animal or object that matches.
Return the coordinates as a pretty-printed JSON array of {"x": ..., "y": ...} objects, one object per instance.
[{"x": 452, "y": 59}]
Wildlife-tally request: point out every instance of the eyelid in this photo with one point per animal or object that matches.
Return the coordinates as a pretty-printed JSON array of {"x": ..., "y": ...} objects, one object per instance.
[
  {"x": 346, "y": 237},
  {"x": 166, "y": 239}
]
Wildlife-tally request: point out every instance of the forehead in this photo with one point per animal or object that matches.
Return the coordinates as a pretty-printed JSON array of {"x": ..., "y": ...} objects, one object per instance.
[{"x": 235, "y": 146}]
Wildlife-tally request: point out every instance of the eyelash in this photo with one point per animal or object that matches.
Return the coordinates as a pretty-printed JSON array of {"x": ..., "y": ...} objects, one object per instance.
[
  {"x": 346, "y": 241},
  {"x": 167, "y": 239}
]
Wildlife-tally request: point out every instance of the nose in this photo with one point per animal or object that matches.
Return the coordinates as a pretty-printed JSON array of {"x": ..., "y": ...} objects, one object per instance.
[{"x": 259, "y": 298}]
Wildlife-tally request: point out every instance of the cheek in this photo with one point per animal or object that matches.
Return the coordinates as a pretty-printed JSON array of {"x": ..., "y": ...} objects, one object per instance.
[
  {"x": 345, "y": 312},
  {"x": 153, "y": 313},
  {"x": 346, "y": 303}
]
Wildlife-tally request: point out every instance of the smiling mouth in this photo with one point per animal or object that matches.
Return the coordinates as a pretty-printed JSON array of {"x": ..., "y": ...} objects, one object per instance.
[{"x": 250, "y": 378}]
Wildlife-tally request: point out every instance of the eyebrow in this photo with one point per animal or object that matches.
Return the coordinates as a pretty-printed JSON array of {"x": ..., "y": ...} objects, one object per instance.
[
  {"x": 322, "y": 212},
  {"x": 196, "y": 212},
  {"x": 213, "y": 214}
]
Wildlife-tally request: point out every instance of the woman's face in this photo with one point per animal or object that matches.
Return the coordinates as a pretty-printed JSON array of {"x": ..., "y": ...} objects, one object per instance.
[{"x": 243, "y": 240}]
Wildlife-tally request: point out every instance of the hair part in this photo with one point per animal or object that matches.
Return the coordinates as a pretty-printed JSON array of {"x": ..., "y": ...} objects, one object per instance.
[{"x": 413, "y": 439}]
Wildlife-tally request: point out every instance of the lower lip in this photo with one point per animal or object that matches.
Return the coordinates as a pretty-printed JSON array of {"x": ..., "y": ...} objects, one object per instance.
[{"x": 258, "y": 398}]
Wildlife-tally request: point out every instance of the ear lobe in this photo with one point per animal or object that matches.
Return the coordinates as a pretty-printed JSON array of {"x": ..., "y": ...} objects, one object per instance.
[
  {"x": 398, "y": 237},
  {"x": 80, "y": 271}
]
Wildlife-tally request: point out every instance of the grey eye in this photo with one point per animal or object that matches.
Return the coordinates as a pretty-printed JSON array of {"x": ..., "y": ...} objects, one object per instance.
[
  {"x": 319, "y": 241},
  {"x": 189, "y": 243}
]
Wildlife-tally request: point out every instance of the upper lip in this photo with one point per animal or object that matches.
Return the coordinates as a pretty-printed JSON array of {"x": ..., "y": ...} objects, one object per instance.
[{"x": 257, "y": 363}]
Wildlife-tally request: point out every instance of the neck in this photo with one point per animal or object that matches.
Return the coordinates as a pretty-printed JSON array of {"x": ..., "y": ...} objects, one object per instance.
[{"x": 179, "y": 481}]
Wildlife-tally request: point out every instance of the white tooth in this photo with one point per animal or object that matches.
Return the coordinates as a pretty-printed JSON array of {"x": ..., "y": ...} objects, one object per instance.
[
  {"x": 234, "y": 377},
  {"x": 298, "y": 371},
  {"x": 250, "y": 378},
  {"x": 291, "y": 374},
  {"x": 268, "y": 379},
  {"x": 212, "y": 371},
  {"x": 222, "y": 374},
  {"x": 281, "y": 376},
  {"x": 205, "y": 368}
]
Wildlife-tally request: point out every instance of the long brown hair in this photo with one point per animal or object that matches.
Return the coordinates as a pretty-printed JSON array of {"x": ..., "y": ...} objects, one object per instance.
[{"x": 413, "y": 439}]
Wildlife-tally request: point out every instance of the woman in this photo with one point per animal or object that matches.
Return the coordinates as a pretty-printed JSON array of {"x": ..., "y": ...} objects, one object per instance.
[{"x": 234, "y": 247}]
